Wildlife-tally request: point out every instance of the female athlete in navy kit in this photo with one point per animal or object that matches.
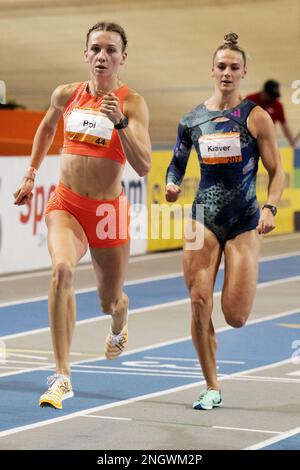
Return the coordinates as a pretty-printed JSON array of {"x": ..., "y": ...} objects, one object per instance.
[{"x": 229, "y": 135}]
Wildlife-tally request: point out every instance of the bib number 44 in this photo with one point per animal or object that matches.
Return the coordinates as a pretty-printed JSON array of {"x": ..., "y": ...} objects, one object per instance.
[{"x": 100, "y": 141}]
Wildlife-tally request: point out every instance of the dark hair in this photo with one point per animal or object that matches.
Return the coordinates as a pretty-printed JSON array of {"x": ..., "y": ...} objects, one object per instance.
[
  {"x": 271, "y": 88},
  {"x": 105, "y": 26},
  {"x": 231, "y": 42}
]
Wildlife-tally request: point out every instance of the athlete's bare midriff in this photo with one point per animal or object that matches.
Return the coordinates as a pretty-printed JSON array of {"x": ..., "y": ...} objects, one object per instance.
[{"x": 94, "y": 177}]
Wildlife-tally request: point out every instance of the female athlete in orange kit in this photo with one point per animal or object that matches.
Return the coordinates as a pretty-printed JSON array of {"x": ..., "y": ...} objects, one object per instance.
[{"x": 105, "y": 123}]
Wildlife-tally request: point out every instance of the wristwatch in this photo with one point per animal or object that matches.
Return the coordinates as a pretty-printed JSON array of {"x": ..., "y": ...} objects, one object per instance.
[
  {"x": 122, "y": 123},
  {"x": 273, "y": 209}
]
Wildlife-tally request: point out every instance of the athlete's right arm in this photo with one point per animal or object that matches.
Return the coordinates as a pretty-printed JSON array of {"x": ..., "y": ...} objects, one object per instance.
[
  {"x": 177, "y": 167},
  {"x": 46, "y": 131},
  {"x": 42, "y": 140}
]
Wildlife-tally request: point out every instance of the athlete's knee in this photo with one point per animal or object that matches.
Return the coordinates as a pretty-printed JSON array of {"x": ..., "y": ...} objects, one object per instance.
[
  {"x": 201, "y": 302},
  {"x": 62, "y": 275},
  {"x": 236, "y": 319},
  {"x": 235, "y": 313},
  {"x": 236, "y": 322}
]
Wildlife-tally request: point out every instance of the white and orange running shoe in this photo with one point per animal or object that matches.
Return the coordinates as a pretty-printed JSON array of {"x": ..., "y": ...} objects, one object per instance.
[
  {"x": 60, "y": 388},
  {"x": 115, "y": 344}
]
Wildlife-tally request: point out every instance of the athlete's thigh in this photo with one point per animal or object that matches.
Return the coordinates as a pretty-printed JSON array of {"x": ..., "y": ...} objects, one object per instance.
[
  {"x": 201, "y": 265},
  {"x": 110, "y": 265},
  {"x": 241, "y": 272},
  {"x": 67, "y": 241}
]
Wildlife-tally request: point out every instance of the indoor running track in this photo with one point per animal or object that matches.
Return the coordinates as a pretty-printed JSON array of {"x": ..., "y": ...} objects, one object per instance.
[{"x": 143, "y": 399}]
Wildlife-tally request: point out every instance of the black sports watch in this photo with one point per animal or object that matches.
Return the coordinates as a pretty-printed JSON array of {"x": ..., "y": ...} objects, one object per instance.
[
  {"x": 122, "y": 123},
  {"x": 273, "y": 209}
]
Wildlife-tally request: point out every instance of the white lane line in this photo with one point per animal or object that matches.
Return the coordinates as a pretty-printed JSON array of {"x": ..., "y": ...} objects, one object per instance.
[
  {"x": 103, "y": 317},
  {"x": 141, "y": 280},
  {"x": 214, "y": 427},
  {"x": 279, "y": 256},
  {"x": 262, "y": 259},
  {"x": 157, "y": 345},
  {"x": 273, "y": 440},
  {"x": 87, "y": 290},
  {"x": 99, "y": 358},
  {"x": 26, "y": 356},
  {"x": 161, "y": 255},
  {"x": 146, "y": 367},
  {"x": 107, "y": 417},
  {"x": 134, "y": 259},
  {"x": 181, "y": 359},
  {"x": 284, "y": 280},
  {"x": 173, "y": 303},
  {"x": 188, "y": 375},
  {"x": 260, "y": 378},
  {"x": 79, "y": 414},
  {"x": 280, "y": 238},
  {"x": 11, "y": 361},
  {"x": 247, "y": 429},
  {"x": 12, "y": 367},
  {"x": 295, "y": 373},
  {"x": 42, "y": 351},
  {"x": 127, "y": 402},
  {"x": 88, "y": 266}
]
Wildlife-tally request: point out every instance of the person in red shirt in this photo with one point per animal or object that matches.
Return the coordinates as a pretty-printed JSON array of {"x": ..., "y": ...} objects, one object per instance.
[{"x": 267, "y": 98}]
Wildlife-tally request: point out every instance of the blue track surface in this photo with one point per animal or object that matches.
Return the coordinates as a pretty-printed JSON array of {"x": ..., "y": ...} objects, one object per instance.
[
  {"x": 99, "y": 383},
  {"x": 33, "y": 315},
  {"x": 134, "y": 375},
  {"x": 289, "y": 443}
]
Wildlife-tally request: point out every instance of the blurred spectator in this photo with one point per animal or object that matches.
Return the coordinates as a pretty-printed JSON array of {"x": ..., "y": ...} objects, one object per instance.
[
  {"x": 267, "y": 98},
  {"x": 12, "y": 105}
]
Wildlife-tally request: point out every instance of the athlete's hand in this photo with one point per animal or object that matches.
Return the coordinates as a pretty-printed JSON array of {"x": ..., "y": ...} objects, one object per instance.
[
  {"x": 172, "y": 192},
  {"x": 110, "y": 106},
  {"x": 24, "y": 193},
  {"x": 266, "y": 222}
]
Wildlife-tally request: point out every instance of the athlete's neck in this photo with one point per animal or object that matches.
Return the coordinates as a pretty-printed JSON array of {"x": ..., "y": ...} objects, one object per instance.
[
  {"x": 99, "y": 88},
  {"x": 222, "y": 101}
]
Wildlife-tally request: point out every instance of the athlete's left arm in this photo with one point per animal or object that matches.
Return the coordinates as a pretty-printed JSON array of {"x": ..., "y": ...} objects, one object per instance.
[
  {"x": 134, "y": 138},
  {"x": 261, "y": 126}
]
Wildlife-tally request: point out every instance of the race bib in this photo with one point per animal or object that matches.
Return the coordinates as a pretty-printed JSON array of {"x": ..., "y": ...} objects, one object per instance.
[
  {"x": 220, "y": 148},
  {"x": 89, "y": 126}
]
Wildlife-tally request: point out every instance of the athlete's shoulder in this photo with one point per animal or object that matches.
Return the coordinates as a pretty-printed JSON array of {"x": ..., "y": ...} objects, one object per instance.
[
  {"x": 260, "y": 118},
  {"x": 244, "y": 108},
  {"x": 134, "y": 103},
  {"x": 247, "y": 101},
  {"x": 258, "y": 112},
  {"x": 193, "y": 117},
  {"x": 132, "y": 95},
  {"x": 63, "y": 93}
]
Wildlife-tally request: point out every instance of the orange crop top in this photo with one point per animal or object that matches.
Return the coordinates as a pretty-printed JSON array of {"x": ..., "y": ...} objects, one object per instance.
[{"x": 89, "y": 132}]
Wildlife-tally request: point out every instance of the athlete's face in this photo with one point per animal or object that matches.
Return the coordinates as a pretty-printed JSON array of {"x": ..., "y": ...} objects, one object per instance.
[
  {"x": 228, "y": 70},
  {"x": 104, "y": 53}
]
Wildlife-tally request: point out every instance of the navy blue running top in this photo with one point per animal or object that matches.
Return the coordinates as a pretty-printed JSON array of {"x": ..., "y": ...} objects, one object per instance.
[{"x": 228, "y": 156}]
